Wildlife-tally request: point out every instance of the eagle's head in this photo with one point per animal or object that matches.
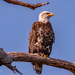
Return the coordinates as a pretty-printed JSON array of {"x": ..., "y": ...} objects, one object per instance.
[{"x": 44, "y": 16}]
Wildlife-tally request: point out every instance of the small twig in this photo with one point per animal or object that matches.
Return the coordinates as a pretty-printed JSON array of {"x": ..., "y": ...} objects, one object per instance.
[
  {"x": 13, "y": 68},
  {"x": 31, "y": 6}
]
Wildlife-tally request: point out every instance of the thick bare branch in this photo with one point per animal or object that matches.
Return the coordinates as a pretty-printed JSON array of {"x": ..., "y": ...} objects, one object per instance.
[
  {"x": 30, "y": 57},
  {"x": 31, "y": 6}
]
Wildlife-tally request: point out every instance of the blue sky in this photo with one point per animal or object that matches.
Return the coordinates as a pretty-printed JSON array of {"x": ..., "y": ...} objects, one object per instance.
[{"x": 15, "y": 25}]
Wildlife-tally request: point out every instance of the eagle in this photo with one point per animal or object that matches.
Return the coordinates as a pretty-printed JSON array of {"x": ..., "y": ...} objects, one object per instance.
[{"x": 41, "y": 38}]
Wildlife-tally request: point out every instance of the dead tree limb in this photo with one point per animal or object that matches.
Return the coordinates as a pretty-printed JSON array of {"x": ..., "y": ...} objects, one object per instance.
[
  {"x": 31, "y": 6},
  {"x": 9, "y": 57}
]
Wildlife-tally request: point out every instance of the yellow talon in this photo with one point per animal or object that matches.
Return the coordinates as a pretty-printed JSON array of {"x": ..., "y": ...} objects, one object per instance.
[
  {"x": 45, "y": 55},
  {"x": 42, "y": 54}
]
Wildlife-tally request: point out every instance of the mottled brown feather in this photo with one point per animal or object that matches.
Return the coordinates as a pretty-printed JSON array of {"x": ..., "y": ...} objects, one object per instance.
[{"x": 43, "y": 33}]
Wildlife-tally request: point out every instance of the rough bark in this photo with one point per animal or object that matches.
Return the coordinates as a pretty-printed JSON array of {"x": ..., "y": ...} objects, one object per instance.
[
  {"x": 31, "y": 6},
  {"x": 6, "y": 58}
]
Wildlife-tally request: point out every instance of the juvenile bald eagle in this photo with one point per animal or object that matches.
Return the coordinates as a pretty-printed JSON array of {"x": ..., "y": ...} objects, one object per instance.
[{"x": 41, "y": 38}]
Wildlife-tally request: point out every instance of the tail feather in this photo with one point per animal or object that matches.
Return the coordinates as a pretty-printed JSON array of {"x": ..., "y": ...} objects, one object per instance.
[{"x": 38, "y": 68}]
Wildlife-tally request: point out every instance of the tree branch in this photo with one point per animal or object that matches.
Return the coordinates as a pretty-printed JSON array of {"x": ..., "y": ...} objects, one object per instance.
[
  {"x": 30, "y": 57},
  {"x": 31, "y": 6}
]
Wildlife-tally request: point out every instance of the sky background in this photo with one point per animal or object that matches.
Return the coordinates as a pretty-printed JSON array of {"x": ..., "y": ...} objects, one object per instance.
[{"x": 15, "y": 25}]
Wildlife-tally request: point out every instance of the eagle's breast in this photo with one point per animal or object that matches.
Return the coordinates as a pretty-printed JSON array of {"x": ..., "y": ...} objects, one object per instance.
[{"x": 41, "y": 38}]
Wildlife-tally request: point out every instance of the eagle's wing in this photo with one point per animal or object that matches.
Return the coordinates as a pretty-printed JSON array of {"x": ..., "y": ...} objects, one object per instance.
[
  {"x": 32, "y": 41},
  {"x": 32, "y": 37}
]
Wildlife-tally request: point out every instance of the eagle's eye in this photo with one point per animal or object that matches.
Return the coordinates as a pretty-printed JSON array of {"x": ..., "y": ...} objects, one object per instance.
[{"x": 47, "y": 13}]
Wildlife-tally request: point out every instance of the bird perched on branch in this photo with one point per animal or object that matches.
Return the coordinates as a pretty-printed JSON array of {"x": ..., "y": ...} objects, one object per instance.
[{"x": 41, "y": 38}]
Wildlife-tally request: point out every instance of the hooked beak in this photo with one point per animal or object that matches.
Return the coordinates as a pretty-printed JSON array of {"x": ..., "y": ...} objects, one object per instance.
[{"x": 51, "y": 14}]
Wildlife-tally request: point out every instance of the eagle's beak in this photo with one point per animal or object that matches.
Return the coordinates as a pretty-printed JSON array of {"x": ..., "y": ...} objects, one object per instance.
[{"x": 51, "y": 14}]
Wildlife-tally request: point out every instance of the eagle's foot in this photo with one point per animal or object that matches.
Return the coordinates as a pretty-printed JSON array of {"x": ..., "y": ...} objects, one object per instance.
[{"x": 44, "y": 55}]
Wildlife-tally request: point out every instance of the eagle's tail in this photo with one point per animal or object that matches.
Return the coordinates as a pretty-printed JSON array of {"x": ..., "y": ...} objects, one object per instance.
[{"x": 38, "y": 68}]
